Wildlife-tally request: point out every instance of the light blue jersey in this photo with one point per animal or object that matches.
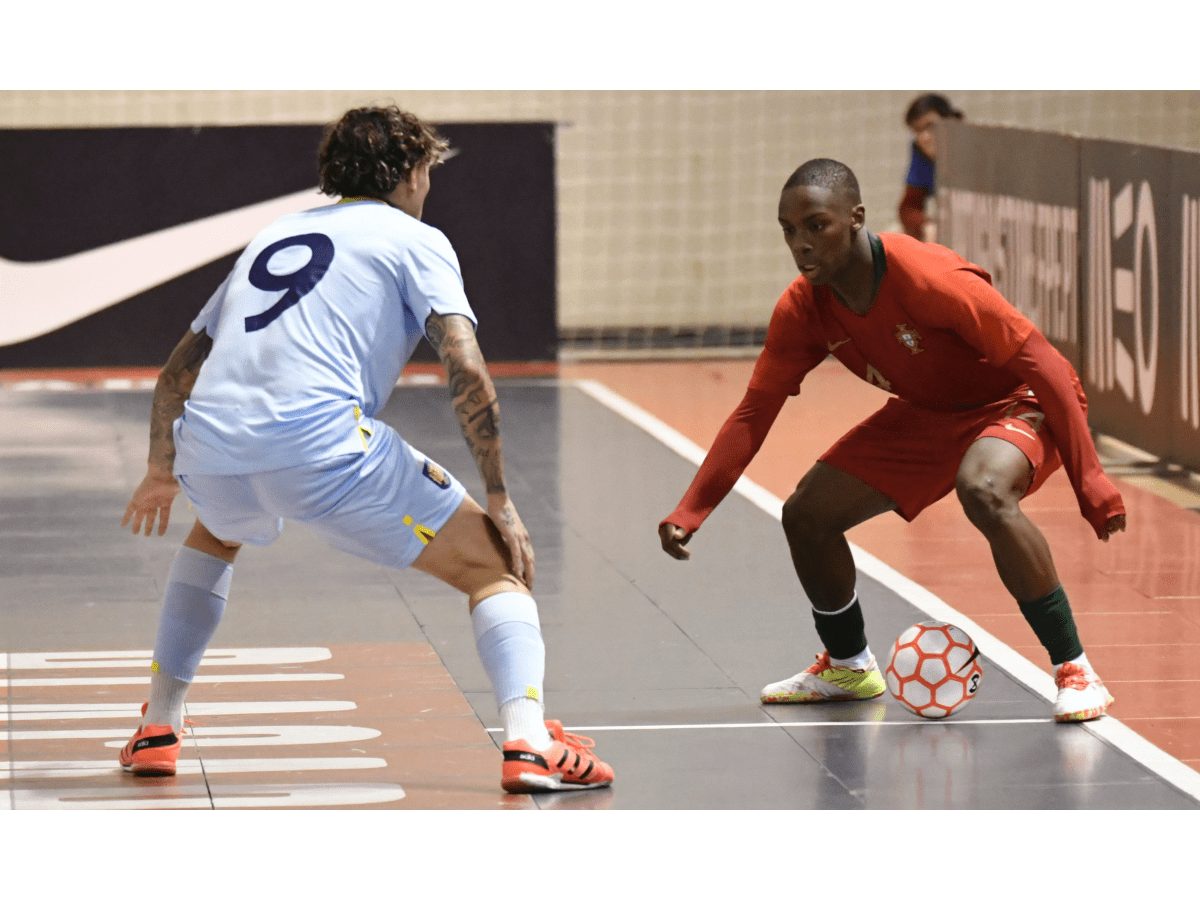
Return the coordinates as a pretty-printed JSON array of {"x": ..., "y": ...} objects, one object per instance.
[{"x": 310, "y": 332}]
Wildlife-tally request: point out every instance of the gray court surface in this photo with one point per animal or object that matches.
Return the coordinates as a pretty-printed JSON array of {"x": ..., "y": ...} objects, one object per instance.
[{"x": 659, "y": 661}]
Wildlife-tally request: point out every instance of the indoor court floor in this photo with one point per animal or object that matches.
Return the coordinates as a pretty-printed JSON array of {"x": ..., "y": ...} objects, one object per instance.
[{"x": 336, "y": 684}]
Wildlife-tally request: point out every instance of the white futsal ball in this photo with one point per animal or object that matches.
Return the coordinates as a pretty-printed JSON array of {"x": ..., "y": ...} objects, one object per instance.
[{"x": 934, "y": 670}]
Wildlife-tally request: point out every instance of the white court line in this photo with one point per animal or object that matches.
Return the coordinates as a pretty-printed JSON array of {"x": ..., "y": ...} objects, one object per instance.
[
  {"x": 139, "y": 679},
  {"x": 85, "y": 768},
  {"x": 35, "y": 712},
  {"x": 824, "y": 724},
  {"x": 137, "y": 659},
  {"x": 240, "y": 796},
  {"x": 217, "y": 736},
  {"x": 1108, "y": 729}
]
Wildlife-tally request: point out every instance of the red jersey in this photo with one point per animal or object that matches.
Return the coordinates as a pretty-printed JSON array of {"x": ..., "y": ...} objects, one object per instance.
[{"x": 938, "y": 336}]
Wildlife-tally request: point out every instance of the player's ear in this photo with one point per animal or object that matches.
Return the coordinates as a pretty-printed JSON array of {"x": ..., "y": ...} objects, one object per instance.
[{"x": 858, "y": 216}]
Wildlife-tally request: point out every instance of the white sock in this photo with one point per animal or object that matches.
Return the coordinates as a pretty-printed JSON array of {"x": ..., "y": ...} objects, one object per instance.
[
  {"x": 193, "y": 603},
  {"x": 166, "y": 701},
  {"x": 525, "y": 720},
  {"x": 508, "y": 636},
  {"x": 861, "y": 661}
]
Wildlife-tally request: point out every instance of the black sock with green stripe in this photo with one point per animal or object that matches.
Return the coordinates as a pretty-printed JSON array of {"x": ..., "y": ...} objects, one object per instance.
[
  {"x": 1052, "y": 622},
  {"x": 843, "y": 632}
]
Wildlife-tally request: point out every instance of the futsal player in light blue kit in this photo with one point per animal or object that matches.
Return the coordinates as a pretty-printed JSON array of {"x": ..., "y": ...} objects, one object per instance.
[{"x": 265, "y": 412}]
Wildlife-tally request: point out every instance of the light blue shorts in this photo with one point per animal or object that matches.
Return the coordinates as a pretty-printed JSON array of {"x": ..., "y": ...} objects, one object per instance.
[{"x": 384, "y": 505}]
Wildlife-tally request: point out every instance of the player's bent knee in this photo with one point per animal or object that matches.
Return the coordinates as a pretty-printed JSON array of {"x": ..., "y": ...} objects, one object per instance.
[
  {"x": 986, "y": 499},
  {"x": 508, "y": 584},
  {"x": 205, "y": 541},
  {"x": 800, "y": 518},
  {"x": 465, "y": 555},
  {"x": 829, "y": 502}
]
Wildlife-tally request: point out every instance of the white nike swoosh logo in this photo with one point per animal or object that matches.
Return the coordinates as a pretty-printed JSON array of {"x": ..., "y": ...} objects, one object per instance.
[
  {"x": 833, "y": 347},
  {"x": 1019, "y": 431},
  {"x": 39, "y": 297}
]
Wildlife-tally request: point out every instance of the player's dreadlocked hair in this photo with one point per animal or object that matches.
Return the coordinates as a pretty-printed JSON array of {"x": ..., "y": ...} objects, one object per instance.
[
  {"x": 826, "y": 173},
  {"x": 370, "y": 150}
]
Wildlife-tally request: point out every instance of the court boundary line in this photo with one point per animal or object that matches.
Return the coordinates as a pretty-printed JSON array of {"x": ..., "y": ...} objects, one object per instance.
[
  {"x": 854, "y": 723},
  {"x": 1113, "y": 732}
]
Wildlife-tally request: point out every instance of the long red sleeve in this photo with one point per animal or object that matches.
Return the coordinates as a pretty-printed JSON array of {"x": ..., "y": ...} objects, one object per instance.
[
  {"x": 1061, "y": 396},
  {"x": 732, "y": 450}
]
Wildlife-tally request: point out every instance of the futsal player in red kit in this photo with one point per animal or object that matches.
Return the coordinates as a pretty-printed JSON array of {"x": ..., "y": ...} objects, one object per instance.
[{"x": 982, "y": 405}]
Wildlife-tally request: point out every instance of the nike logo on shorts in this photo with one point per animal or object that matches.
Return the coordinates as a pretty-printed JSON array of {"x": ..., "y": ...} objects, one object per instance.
[
  {"x": 833, "y": 347},
  {"x": 44, "y": 296},
  {"x": 1019, "y": 431}
]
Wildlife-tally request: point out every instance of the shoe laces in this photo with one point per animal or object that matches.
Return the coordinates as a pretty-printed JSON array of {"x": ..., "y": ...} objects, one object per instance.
[
  {"x": 579, "y": 743},
  {"x": 1071, "y": 676},
  {"x": 820, "y": 665}
]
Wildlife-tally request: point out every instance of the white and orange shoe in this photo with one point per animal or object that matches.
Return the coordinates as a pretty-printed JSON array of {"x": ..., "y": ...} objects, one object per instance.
[
  {"x": 1082, "y": 696},
  {"x": 823, "y": 681},
  {"x": 153, "y": 750},
  {"x": 567, "y": 765}
]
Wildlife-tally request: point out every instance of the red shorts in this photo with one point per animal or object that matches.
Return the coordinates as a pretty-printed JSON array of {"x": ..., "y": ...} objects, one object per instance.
[{"x": 912, "y": 455}]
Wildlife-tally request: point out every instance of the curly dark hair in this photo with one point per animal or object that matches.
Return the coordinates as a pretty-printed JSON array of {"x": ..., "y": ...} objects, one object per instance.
[{"x": 370, "y": 150}]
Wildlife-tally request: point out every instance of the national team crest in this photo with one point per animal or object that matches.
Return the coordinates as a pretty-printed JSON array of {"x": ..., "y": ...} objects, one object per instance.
[
  {"x": 908, "y": 337},
  {"x": 435, "y": 474}
]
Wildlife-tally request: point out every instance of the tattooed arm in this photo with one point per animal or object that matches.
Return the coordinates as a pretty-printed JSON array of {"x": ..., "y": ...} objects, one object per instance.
[
  {"x": 152, "y": 498},
  {"x": 474, "y": 398}
]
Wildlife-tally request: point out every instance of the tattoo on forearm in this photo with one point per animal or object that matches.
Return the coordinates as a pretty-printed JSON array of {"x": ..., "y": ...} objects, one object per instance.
[
  {"x": 473, "y": 395},
  {"x": 435, "y": 331},
  {"x": 174, "y": 386},
  {"x": 487, "y": 422}
]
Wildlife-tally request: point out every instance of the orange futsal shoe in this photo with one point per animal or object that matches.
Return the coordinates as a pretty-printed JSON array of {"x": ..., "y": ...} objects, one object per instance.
[
  {"x": 153, "y": 750},
  {"x": 568, "y": 764}
]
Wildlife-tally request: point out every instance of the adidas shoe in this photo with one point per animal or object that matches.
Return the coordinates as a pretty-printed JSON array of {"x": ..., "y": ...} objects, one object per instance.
[
  {"x": 153, "y": 750},
  {"x": 567, "y": 765},
  {"x": 1082, "y": 696},
  {"x": 824, "y": 681}
]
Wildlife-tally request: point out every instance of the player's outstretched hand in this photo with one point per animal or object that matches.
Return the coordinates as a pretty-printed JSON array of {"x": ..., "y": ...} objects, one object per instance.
[
  {"x": 1112, "y": 526},
  {"x": 520, "y": 549},
  {"x": 151, "y": 500},
  {"x": 673, "y": 539}
]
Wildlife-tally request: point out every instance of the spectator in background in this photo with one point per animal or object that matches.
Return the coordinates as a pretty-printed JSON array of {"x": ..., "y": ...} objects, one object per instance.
[{"x": 922, "y": 118}]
